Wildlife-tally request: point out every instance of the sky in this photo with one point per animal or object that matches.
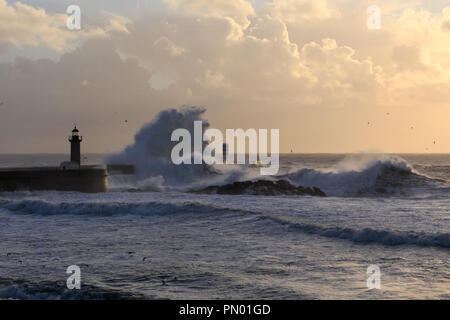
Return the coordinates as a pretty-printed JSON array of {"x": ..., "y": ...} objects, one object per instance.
[{"x": 312, "y": 69}]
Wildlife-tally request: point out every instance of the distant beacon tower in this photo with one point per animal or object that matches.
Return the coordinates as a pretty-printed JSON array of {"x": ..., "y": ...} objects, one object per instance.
[
  {"x": 75, "y": 139},
  {"x": 224, "y": 152}
]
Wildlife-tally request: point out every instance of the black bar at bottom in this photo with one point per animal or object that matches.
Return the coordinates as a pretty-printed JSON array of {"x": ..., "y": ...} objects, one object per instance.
[{"x": 223, "y": 309}]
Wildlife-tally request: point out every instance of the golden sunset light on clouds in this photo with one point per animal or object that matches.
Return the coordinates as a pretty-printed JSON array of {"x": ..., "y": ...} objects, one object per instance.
[{"x": 313, "y": 69}]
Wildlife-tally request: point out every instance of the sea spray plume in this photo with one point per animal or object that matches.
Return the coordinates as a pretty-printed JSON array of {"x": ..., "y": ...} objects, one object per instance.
[{"x": 151, "y": 150}]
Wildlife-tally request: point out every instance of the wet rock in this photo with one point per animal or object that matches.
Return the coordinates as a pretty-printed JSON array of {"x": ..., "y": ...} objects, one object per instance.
[{"x": 262, "y": 187}]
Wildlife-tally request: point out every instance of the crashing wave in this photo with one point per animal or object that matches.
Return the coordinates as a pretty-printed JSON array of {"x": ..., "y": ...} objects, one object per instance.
[
  {"x": 371, "y": 236},
  {"x": 47, "y": 290},
  {"x": 150, "y": 154},
  {"x": 362, "y": 175},
  {"x": 40, "y": 207}
]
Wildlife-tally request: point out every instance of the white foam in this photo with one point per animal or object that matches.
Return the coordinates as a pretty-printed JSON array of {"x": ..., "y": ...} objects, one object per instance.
[{"x": 357, "y": 174}]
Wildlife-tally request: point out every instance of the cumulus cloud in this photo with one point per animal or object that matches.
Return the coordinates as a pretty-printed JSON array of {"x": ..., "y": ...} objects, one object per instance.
[
  {"x": 301, "y": 10},
  {"x": 22, "y": 24},
  {"x": 217, "y": 8},
  {"x": 207, "y": 67},
  {"x": 91, "y": 86},
  {"x": 251, "y": 66},
  {"x": 238, "y": 10},
  {"x": 115, "y": 23},
  {"x": 420, "y": 55},
  {"x": 264, "y": 64}
]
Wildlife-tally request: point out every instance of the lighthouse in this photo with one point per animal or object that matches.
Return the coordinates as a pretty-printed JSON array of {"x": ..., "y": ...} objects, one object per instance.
[
  {"x": 75, "y": 140},
  {"x": 224, "y": 152}
]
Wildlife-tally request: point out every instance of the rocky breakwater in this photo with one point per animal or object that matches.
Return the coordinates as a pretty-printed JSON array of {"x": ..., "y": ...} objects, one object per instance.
[{"x": 262, "y": 187}]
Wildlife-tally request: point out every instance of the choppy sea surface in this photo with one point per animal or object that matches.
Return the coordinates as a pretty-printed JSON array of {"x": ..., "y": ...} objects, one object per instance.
[{"x": 150, "y": 238}]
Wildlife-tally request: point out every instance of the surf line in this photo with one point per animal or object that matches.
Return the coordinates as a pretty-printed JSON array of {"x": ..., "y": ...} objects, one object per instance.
[{"x": 213, "y": 153}]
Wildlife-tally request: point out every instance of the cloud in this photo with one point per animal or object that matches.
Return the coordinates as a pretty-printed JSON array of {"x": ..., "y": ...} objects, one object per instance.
[
  {"x": 3, "y": 47},
  {"x": 91, "y": 86},
  {"x": 302, "y": 70},
  {"x": 22, "y": 24},
  {"x": 25, "y": 25},
  {"x": 168, "y": 46},
  {"x": 446, "y": 26},
  {"x": 238, "y": 10},
  {"x": 207, "y": 67},
  {"x": 216, "y": 8},
  {"x": 301, "y": 10},
  {"x": 115, "y": 23},
  {"x": 420, "y": 55},
  {"x": 263, "y": 64}
]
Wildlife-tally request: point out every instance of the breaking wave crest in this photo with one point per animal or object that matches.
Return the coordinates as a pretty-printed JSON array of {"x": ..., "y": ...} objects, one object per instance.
[
  {"x": 24, "y": 290},
  {"x": 39, "y": 207},
  {"x": 371, "y": 236},
  {"x": 363, "y": 175},
  {"x": 363, "y": 236}
]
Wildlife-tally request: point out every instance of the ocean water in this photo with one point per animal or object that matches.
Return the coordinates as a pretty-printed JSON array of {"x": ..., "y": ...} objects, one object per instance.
[{"x": 150, "y": 239}]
